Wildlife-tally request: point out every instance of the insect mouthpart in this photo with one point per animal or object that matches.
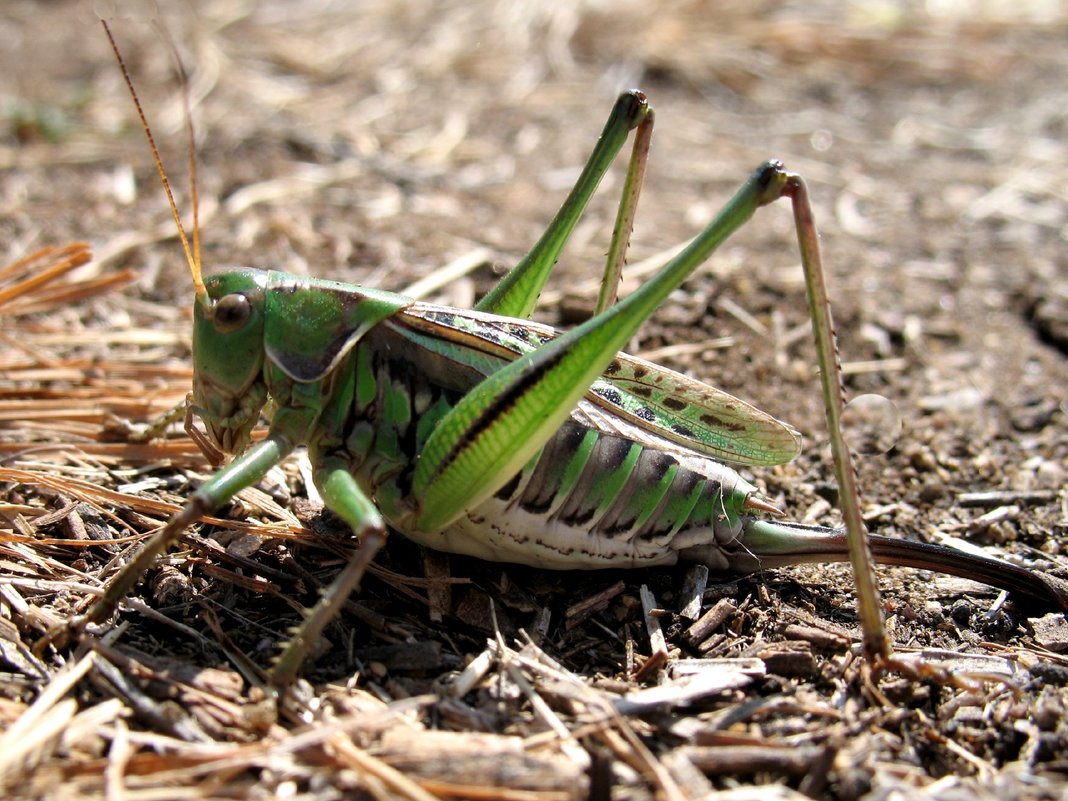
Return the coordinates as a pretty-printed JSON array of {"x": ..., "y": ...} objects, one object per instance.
[{"x": 228, "y": 421}]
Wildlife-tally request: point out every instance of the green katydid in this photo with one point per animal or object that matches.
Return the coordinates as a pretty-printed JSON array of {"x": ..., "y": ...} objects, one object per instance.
[{"x": 483, "y": 433}]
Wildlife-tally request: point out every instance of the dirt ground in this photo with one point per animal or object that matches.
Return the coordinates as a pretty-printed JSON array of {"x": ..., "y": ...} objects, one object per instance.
[{"x": 375, "y": 144}]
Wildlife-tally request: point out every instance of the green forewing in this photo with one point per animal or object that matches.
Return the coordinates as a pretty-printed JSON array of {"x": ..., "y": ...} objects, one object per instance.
[
  {"x": 682, "y": 410},
  {"x": 692, "y": 414}
]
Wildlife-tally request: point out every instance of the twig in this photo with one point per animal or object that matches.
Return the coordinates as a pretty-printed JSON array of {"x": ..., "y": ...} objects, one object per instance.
[{"x": 1006, "y": 497}]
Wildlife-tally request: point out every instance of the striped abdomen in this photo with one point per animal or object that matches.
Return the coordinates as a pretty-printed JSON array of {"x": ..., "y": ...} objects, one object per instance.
[
  {"x": 595, "y": 496},
  {"x": 592, "y": 499}
]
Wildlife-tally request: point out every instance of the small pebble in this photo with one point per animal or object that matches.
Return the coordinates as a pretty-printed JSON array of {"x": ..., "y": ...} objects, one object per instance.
[{"x": 962, "y": 611}]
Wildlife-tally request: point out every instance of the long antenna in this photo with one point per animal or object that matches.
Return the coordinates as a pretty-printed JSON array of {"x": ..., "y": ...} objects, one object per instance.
[{"x": 192, "y": 254}]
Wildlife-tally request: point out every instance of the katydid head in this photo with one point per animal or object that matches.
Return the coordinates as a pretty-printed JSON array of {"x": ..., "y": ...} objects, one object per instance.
[{"x": 228, "y": 385}]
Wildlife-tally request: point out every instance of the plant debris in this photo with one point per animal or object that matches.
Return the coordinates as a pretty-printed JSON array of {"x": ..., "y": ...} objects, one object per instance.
[{"x": 374, "y": 147}]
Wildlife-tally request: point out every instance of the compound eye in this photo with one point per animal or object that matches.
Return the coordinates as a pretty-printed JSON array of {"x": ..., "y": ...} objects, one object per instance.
[{"x": 230, "y": 313}]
